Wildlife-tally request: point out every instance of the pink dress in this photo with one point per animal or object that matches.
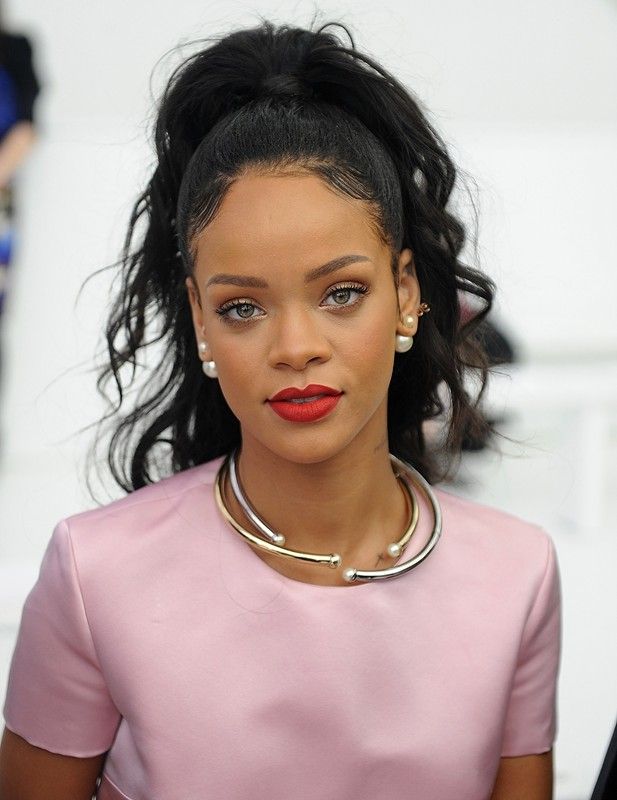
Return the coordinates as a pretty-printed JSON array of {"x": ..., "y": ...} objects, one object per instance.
[{"x": 156, "y": 632}]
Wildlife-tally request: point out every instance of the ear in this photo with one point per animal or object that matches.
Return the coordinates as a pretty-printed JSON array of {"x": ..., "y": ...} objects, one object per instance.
[
  {"x": 196, "y": 309},
  {"x": 408, "y": 293}
]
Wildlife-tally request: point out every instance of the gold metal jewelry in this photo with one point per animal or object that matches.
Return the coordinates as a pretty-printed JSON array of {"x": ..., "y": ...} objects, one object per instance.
[
  {"x": 394, "y": 549},
  {"x": 423, "y": 308},
  {"x": 333, "y": 560}
]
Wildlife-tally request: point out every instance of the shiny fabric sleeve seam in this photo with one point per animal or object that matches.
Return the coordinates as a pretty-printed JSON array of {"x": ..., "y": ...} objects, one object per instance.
[
  {"x": 81, "y": 598},
  {"x": 105, "y": 777}
]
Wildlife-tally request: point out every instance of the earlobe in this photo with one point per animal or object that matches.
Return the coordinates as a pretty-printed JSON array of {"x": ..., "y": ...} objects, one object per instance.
[
  {"x": 203, "y": 346},
  {"x": 408, "y": 293},
  {"x": 208, "y": 365}
]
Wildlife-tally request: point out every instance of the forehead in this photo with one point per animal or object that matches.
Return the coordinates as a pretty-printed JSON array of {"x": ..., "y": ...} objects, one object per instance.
[{"x": 270, "y": 216}]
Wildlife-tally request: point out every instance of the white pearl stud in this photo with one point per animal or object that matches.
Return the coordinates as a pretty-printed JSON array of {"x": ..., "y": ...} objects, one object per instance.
[
  {"x": 403, "y": 343},
  {"x": 209, "y": 368}
]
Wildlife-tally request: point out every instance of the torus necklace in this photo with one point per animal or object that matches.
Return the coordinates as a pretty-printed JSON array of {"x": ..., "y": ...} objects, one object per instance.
[{"x": 274, "y": 543}]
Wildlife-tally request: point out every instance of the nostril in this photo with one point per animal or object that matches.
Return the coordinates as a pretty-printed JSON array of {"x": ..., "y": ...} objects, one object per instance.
[{"x": 299, "y": 351}]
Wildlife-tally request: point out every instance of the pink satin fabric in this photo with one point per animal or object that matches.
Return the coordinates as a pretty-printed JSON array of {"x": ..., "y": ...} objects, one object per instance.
[
  {"x": 156, "y": 633},
  {"x": 107, "y": 791}
]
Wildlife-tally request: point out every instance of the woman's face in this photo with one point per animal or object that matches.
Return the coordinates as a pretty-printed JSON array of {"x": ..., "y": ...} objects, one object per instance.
[{"x": 292, "y": 288}]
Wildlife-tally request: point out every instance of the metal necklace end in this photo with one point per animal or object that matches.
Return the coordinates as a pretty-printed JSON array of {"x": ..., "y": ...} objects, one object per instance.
[
  {"x": 350, "y": 574},
  {"x": 405, "y": 473}
]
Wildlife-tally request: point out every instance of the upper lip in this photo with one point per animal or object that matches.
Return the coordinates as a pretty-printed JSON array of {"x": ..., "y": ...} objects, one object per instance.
[{"x": 312, "y": 390}]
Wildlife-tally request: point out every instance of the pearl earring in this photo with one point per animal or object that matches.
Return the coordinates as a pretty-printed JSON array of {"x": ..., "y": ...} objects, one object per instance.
[
  {"x": 208, "y": 367},
  {"x": 404, "y": 343}
]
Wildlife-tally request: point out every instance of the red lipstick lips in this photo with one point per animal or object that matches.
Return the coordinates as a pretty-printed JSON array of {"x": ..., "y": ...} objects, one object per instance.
[{"x": 305, "y": 405}]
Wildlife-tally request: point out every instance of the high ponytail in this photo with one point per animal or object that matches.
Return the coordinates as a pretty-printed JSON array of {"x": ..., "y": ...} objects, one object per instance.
[{"x": 274, "y": 98}]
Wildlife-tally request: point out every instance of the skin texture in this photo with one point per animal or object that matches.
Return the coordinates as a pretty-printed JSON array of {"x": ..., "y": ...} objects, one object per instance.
[
  {"x": 525, "y": 778},
  {"x": 328, "y": 481},
  {"x": 15, "y": 147},
  {"x": 31, "y": 773}
]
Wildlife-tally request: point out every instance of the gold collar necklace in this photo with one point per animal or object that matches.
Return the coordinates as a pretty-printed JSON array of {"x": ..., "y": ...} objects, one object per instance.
[{"x": 273, "y": 541}]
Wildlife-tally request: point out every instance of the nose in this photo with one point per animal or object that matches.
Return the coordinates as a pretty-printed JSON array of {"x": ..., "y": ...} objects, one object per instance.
[{"x": 298, "y": 340}]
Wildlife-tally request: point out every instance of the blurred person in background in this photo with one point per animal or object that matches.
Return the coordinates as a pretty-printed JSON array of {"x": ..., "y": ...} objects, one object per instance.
[{"x": 19, "y": 88}]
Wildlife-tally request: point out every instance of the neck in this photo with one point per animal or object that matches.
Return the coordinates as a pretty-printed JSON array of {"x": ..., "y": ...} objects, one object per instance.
[{"x": 350, "y": 504}]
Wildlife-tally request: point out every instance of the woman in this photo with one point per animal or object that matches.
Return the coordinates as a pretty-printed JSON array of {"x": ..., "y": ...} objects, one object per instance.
[
  {"x": 19, "y": 88},
  {"x": 292, "y": 611}
]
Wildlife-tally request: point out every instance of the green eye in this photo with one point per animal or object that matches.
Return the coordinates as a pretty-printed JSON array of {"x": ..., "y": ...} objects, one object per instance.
[
  {"x": 341, "y": 296},
  {"x": 345, "y": 296},
  {"x": 239, "y": 310},
  {"x": 245, "y": 310}
]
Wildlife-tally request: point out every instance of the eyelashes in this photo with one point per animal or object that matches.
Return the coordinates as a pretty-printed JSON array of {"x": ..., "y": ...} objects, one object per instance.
[
  {"x": 343, "y": 293},
  {"x": 242, "y": 310}
]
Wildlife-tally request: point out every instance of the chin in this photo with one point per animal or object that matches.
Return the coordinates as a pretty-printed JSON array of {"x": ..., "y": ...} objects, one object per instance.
[
  {"x": 312, "y": 452},
  {"x": 308, "y": 445},
  {"x": 320, "y": 441}
]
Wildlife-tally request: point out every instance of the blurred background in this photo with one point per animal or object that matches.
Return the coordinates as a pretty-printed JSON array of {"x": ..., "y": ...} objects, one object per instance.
[{"x": 525, "y": 95}]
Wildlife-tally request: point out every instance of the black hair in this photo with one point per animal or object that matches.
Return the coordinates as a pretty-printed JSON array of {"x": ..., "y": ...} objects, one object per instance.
[{"x": 278, "y": 99}]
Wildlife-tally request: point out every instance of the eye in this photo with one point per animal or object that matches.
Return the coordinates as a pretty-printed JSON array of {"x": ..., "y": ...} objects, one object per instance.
[
  {"x": 345, "y": 295},
  {"x": 238, "y": 310}
]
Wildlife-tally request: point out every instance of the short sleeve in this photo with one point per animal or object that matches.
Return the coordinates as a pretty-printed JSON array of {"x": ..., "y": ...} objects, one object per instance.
[
  {"x": 56, "y": 696},
  {"x": 531, "y": 717}
]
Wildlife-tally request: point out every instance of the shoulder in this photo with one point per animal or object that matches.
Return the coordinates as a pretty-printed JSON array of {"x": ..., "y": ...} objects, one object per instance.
[
  {"x": 163, "y": 489},
  {"x": 151, "y": 513},
  {"x": 482, "y": 538},
  {"x": 482, "y": 522}
]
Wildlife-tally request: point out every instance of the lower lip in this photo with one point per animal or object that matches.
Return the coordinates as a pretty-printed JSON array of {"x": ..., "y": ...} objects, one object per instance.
[{"x": 305, "y": 412}]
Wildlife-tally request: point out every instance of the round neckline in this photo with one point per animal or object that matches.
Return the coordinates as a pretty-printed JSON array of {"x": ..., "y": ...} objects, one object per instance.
[
  {"x": 320, "y": 587},
  {"x": 225, "y": 530}
]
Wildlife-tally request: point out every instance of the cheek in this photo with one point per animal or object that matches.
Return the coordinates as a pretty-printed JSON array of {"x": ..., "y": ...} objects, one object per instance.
[
  {"x": 237, "y": 370},
  {"x": 374, "y": 345}
]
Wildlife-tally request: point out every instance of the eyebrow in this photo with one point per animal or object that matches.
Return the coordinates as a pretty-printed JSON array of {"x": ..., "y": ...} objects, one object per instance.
[{"x": 253, "y": 282}]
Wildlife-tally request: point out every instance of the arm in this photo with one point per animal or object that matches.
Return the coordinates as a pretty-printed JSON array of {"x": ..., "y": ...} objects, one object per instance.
[
  {"x": 17, "y": 142},
  {"x": 523, "y": 778},
  {"x": 31, "y": 773},
  {"x": 14, "y": 148}
]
